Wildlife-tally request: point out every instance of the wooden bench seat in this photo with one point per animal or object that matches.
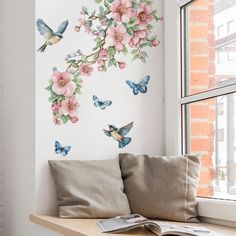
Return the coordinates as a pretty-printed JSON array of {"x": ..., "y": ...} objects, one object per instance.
[{"x": 87, "y": 227}]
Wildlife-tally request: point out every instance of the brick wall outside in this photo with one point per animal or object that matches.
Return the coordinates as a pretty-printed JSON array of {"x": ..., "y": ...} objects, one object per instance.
[
  {"x": 1, "y": 125},
  {"x": 202, "y": 74}
]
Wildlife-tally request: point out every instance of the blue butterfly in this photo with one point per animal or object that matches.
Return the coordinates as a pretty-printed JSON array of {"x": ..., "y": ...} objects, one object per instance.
[
  {"x": 140, "y": 87},
  {"x": 63, "y": 150},
  {"x": 101, "y": 104}
]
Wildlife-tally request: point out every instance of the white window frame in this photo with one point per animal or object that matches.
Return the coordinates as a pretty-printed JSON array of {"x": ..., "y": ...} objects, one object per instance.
[{"x": 211, "y": 210}]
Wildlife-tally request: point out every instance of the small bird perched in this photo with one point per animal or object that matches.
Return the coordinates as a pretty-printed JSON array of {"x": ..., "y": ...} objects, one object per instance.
[
  {"x": 50, "y": 36},
  {"x": 119, "y": 134}
]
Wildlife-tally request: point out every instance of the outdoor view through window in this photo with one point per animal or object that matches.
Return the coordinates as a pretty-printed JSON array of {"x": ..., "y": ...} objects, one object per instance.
[{"x": 209, "y": 63}]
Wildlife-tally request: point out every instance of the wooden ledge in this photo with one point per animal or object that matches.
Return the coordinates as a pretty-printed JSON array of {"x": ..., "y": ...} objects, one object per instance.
[{"x": 87, "y": 227}]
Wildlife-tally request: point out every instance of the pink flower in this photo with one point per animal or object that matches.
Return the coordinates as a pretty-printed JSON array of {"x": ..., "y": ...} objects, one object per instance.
[
  {"x": 138, "y": 37},
  {"x": 56, "y": 108},
  {"x": 104, "y": 54},
  {"x": 85, "y": 70},
  {"x": 57, "y": 121},
  {"x": 118, "y": 37},
  {"x": 74, "y": 119},
  {"x": 63, "y": 84},
  {"x": 122, "y": 10},
  {"x": 155, "y": 42},
  {"x": 121, "y": 64},
  {"x": 70, "y": 106},
  {"x": 100, "y": 62},
  {"x": 144, "y": 15}
]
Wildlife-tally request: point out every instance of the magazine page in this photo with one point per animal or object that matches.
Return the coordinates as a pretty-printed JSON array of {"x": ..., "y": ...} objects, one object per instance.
[
  {"x": 124, "y": 223},
  {"x": 169, "y": 228}
]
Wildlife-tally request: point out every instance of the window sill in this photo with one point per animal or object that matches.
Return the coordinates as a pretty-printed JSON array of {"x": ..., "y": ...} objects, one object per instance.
[{"x": 217, "y": 211}]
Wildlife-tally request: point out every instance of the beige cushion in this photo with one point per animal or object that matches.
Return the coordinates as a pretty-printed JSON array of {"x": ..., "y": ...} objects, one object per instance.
[
  {"x": 161, "y": 187},
  {"x": 89, "y": 189}
]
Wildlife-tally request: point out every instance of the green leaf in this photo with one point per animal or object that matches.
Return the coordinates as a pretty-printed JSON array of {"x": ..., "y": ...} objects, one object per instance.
[
  {"x": 143, "y": 45},
  {"x": 97, "y": 40},
  {"x": 98, "y": 1},
  {"x": 135, "y": 28},
  {"x": 143, "y": 59},
  {"x": 71, "y": 61},
  {"x": 106, "y": 4},
  {"x": 75, "y": 65},
  {"x": 84, "y": 9},
  {"x": 78, "y": 91},
  {"x": 65, "y": 119},
  {"x": 111, "y": 62},
  {"x": 135, "y": 57},
  {"x": 111, "y": 51},
  {"x": 125, "y": 50},
  {"x": 134, "y": 51},
  {"x": 150, "y": 27},
  {"x": 49, "y": 88},
  {"x": 144, "y": 54},
  {"x": 130, "y": 31}
]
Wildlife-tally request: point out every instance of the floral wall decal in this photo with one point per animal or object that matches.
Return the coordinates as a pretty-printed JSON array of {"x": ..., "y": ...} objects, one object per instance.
[
  {"x": 63, "y": 88},
  {"x": 119, "y": 27}
]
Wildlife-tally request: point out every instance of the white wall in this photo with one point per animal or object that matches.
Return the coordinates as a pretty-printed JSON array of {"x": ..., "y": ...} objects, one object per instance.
[
  {"x": 28, "y": 129},
  {"x": 86, "y": 137}
]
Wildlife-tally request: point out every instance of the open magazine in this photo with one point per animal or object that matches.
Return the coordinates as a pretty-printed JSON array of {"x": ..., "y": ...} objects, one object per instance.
[{"x": 127, "y": 222}]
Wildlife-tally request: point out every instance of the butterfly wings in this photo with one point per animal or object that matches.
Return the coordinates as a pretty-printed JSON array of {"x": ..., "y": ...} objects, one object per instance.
[
  {"x": 101, "y": 104},
  {"x": 140, "y": 87},
  {"x": 63, "y": 150}
]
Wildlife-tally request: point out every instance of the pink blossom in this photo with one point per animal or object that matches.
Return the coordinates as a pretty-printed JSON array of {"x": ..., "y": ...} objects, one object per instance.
[
  {"x": 144, "y": 15},
  {"x": 85, "y": 70},
  {"x": 155, "y": 42},
  {"x": 138, "y": 37},
  {"x": 122, "y": 10},
  {"x": 74, "y": 119},
  {"x": 100, "y": 62},
  {"x": 57, "y": 121},
  {"x": 63, "y": 84},
  {"x": 56, "y": 107},
  {"x": 121, "y": 64},
  {"x": 104, "y": 54},
  {"x": 70, "y": 106},
  {"x": 118, "y": 37}
]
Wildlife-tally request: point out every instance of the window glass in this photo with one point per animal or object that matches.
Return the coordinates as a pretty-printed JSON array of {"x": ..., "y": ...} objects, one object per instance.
[
  {"x": 211, "y": 131},
  {"x": 209, "y": 46}
]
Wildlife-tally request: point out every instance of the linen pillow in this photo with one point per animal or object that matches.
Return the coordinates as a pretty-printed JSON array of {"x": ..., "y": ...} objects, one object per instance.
[
  {"x": 89, "y": 189},
  {"x": 161, "y": 187}
]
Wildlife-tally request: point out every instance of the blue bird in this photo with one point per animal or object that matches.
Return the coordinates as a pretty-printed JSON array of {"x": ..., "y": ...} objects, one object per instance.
[
  {"x": 119, "y": 134},
  {"x": 50, "y": 36}
]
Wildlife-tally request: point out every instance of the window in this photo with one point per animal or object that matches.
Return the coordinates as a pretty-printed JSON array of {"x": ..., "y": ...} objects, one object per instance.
[
  {"x": 220, "y": 31},
  {"x": 230, "y": 27},
  {"x": 208, "y": 95}
]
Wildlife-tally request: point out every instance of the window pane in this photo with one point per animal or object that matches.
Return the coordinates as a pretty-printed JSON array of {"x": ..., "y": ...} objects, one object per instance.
[
  {"x": 211, "y": 131},
  {"x": 209, "y": 45}
]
